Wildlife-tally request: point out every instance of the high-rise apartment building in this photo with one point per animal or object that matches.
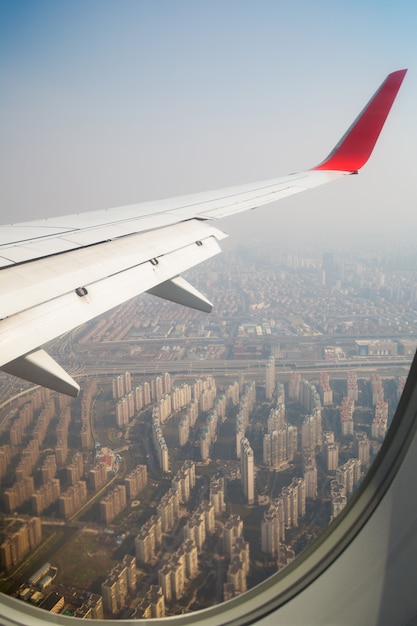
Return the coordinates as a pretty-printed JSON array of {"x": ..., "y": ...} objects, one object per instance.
[
  {"x": 17, "y": 544},
  {"x": 153, "y": 604},
  {"x": 75, "y": 469},
  {"x": 326, "y": 393},
  {"x": 379, "y": 423},
  {"x": 97, "y": 476},
  {"x": 72, "y": 499},
  {"x": 207, "y": 509},
  {"x": 294, "y": 386},
  {"x": 330, "y": 451},
  {"x": 280, "y": 446},
  {"x": 205, "y": 443},
  {"x": 236, "y": 576},
  {"x": 217, "y": 495},
  {"x": 189, "y": 553},
  {"x": 149, "y": 539},
  {"x": 119, "y": 585},
  {"x": 276, "y": 417},
  {"x": 91, "y": 608},
  {"x": 184, "y": 481},
  {"x": 346, "y": 416},
  {"x": 168, "y": 510},
  {"x": 167, "y": 382},
  {"x": 121, "y": 385},
  {"x": 290, "y": 499},
  {"x": 270, "y": 378},
  {"x": 337, "y": 497},
  {"x": 232, "y": 392},
  {"x": 349, "y": 474},
  {"x": 352, "y": 386},
  {"x": 330, "y": 269},
  {"x": 233, "y": 528},
  {"x": 377, "y": 389},
  {"x": 161, "y": 447},
  {"x": 309, "y": 396},
  {"x": 19, "y": 493},
  {"x": 5, "y": 459},
  {"x": 184, "y": 430},
  {"x": 146, "y": 393},
  {"x": 241, "y": 550},
  {"x": 361, "y": 447},
  {"x": 45, "y": 496},
  {"x": 247, "y": 470},
  {"x": 113, "y": 503},
  {"x": 270, "y": 532},
  {"x": 48, "y": 468},
  {"x": 310, "y": 474},
  {"x": 135, "y": 481},
  {"x": 138, "y": 396},
  {"x": 309, "y": 433},
  {"x": 195, "y": 529},
  {"x": 157, "y": 388},
  {"x": 172, "y": 579}
]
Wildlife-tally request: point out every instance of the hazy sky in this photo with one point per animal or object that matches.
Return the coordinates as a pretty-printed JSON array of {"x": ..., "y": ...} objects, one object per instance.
[{"x": 105, "y": 103}]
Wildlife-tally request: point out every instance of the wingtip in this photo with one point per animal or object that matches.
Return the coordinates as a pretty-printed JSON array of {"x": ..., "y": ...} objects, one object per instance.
[
  {"x": 356, "y": 146},
  {"x": 400, "y": 73}
]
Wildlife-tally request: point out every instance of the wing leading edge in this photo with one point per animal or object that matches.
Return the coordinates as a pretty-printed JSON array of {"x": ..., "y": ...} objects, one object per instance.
[{"x": 58, "y": 273}]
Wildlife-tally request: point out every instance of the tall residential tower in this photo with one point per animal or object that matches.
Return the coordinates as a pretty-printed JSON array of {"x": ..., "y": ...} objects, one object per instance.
[{"x": 247, "y": 470}]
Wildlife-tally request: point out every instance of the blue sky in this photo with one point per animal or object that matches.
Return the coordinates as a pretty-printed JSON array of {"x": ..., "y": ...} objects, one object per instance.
[{"x": 109, "y": 103}]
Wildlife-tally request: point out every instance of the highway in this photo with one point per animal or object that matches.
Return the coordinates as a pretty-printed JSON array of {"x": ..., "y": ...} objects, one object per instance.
[{"x": 398, "y": 365}]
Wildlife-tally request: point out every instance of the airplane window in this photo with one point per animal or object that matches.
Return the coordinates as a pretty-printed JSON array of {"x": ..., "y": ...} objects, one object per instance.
[
  {"x": 254, "y": 465},
  {"x": 205, "y": 453}
]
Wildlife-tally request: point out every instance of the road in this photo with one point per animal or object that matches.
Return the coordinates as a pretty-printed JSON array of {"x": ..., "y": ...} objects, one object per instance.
[{"x": 252, "y": 367}]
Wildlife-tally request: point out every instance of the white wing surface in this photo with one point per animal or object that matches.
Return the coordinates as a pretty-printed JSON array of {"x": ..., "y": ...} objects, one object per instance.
[{"x": 58, "y": 273}]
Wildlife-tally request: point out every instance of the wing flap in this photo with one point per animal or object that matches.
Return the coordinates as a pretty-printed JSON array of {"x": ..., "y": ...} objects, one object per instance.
[
  {"x": 30, "y": 284},
  {"x": 25, "y": 331}
]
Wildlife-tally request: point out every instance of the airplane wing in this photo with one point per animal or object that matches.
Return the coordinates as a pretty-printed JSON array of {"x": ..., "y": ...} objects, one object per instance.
[{"x": 58, "y": 273}]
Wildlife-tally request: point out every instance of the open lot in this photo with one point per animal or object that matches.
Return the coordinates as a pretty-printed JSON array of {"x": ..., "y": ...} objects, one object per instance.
[{"x": 84, "y": 561}]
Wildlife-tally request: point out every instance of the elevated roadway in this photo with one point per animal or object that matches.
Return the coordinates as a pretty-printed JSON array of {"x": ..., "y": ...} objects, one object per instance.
[{"x": 254, "y": 367}]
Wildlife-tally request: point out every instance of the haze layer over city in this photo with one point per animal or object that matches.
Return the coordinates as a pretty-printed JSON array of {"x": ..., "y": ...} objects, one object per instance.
[{"x": 205, "y": 451}]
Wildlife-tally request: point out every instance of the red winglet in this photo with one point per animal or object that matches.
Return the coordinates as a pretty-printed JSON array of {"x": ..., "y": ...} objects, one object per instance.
[{"x": 356, "y": 145}]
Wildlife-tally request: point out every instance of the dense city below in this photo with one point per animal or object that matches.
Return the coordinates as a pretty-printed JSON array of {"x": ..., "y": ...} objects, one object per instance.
[{"x": 204, "y": 452}]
